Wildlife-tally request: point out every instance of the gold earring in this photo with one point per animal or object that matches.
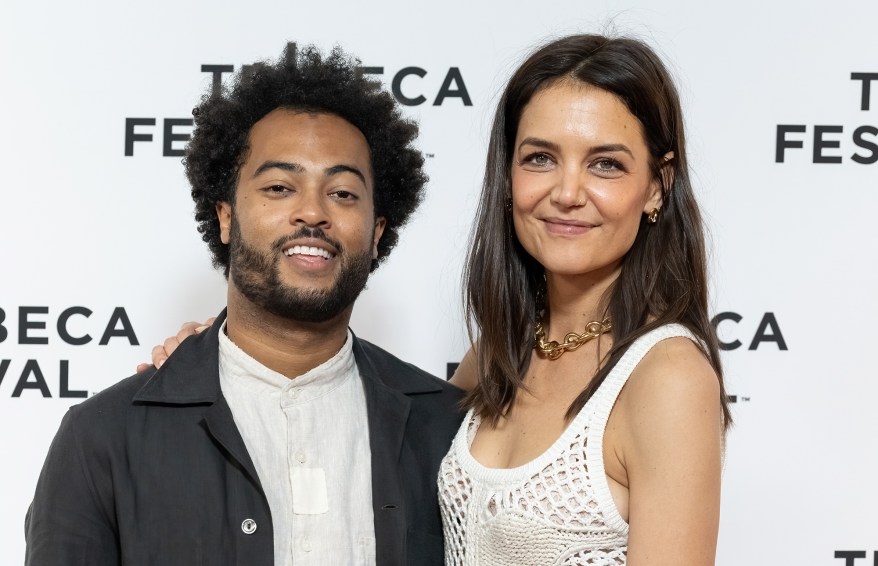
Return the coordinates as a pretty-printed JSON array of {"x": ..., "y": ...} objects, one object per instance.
[{"x": 652, "y": 217}]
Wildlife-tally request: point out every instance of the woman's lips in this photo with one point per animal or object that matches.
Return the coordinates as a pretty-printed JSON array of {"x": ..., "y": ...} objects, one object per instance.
[{"x": 567, "y": 226}]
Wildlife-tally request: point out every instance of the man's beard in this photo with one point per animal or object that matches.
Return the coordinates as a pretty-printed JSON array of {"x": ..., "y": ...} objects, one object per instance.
[{"x": 257, "y": 277}]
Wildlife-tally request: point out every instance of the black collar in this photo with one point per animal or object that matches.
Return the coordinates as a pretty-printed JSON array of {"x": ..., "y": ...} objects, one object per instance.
[{"x": 191, "y": 375}]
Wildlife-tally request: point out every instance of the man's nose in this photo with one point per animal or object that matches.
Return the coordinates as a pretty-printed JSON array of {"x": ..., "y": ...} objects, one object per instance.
[{"x": 310, "y": 210}]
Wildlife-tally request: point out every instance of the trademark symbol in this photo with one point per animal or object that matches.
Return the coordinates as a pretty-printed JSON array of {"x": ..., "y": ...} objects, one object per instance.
[
  {"x": 745, "y": 399},
  {"x": 430, "y": 155}
]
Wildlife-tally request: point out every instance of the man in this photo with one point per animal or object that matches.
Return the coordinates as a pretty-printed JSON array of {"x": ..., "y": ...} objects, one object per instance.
[{"x": 276, "y": 437}]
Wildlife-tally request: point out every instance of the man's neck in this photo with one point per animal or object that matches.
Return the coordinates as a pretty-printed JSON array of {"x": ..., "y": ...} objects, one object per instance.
[{"x": 289, "y": 347}]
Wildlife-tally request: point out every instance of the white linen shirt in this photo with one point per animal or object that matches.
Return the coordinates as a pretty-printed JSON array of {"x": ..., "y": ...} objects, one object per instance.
[{"x": 308, "y": 438}]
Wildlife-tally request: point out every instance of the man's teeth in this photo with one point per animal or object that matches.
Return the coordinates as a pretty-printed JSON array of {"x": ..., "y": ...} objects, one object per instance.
[{"x": 308, "y": 250}]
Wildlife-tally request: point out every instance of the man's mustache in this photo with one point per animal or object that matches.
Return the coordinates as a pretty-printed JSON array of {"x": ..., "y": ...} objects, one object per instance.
[{"x": 307, "y": 232}]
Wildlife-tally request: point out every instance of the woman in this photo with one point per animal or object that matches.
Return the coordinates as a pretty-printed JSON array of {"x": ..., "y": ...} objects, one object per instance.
[{"x": 604, "y": 446}]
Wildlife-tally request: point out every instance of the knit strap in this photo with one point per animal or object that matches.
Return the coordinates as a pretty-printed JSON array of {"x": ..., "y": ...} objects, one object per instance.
[{"x": 604, "y": 400}]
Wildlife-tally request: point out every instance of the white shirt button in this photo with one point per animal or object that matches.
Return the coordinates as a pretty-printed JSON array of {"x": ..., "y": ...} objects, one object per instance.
[
  {"x": 248, "y": 526},
  {"x": 300, "y": 456},
  {"x": 306, "y": 544}
]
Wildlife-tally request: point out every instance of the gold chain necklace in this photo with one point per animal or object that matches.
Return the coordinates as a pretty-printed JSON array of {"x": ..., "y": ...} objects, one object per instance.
[{"x": 572, "y": 340}]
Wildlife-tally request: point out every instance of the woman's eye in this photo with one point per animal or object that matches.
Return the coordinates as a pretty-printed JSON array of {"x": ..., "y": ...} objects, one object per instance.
[
  {"x": 608, "y": 166},
  {"x": 541, "y": 160}
]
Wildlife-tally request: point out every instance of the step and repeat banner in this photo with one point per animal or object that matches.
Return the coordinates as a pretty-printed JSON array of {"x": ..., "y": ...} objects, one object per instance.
[{"x": 100, "y": 259}]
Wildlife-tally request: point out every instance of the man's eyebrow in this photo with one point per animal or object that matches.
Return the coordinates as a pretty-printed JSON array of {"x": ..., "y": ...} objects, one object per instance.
[
  {"x": 610, "y": 147},
  {"x": 296, "y": 168},
  {"x": 344, "y": 168},
  {"x": 282, "y": 165}
]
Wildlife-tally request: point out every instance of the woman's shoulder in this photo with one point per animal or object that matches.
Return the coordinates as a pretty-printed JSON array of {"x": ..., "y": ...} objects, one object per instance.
[
  {"x": 673, "y": 391},
  {"x": 668, "y": 417},
  {"x": 674, "y": 366}
]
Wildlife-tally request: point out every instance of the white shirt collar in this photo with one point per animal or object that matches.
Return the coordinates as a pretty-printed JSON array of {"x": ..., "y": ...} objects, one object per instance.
[{"x": 241, "y": 367}]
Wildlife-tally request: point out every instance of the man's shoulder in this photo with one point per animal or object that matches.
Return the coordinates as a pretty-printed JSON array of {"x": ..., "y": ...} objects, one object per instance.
[
  {"x": 435, "y": 404},
  {"x": 399, "y": 374},
  {"x": 114, "y": 400}
]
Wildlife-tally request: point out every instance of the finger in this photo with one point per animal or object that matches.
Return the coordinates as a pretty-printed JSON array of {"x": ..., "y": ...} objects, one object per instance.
[
  {"x": 170, "y": 344},
  {"x": 159, "y": 356},
  {"x": 187, "y": 330},
  {"x": 142, "y": 367},
  {"x": 204, "y": 326}
]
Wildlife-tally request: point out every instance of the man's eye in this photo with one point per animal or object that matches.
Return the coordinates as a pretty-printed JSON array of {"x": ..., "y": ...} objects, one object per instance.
[
  {"x": 344, "y": 195},
  {"x": 277, "y": 189}
]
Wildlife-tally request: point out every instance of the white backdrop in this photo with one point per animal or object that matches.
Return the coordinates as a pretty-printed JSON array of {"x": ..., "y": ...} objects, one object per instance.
[{"x": 83, "y": 225}]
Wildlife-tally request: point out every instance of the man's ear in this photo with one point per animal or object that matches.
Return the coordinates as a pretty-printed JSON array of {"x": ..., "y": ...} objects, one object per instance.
[
  {"x": 224, "y": 215},
  {"x": 380, "y": 223},
  {"x": 661, "y": 184}
]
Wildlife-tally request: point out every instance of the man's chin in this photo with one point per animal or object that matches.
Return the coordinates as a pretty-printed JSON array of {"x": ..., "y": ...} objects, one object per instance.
[
  {"x": 319, "y": 291},
  {"x": 308, "y": 304},
  {"x": 308, "y": 313}
]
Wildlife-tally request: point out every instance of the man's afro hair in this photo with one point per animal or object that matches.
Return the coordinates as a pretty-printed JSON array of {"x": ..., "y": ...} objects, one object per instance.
[{"x": 302, "y": 79}]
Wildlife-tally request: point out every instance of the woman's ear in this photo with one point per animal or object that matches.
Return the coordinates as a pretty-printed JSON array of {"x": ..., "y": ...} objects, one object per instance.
[{"x": 661, "y": 183}]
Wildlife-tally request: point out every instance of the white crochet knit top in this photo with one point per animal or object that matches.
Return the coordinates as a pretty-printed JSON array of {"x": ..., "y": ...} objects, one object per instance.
[{"x": 556, "y": 509}]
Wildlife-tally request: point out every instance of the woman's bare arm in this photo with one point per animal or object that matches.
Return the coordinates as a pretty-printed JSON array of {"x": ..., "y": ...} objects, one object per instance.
[
  {"x": 466, "y": 376},
  {"x": 671, "y": 448}
]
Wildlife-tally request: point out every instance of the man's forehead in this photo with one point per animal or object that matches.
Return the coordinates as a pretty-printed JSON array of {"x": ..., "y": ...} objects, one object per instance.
[
  {"x": 307, "y": 141},
  {"x": 285, "y": 130},
  {"x": 312, "y": 119}
]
